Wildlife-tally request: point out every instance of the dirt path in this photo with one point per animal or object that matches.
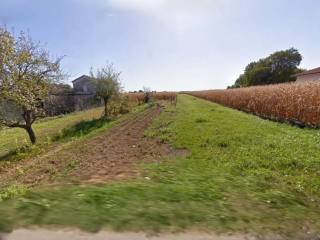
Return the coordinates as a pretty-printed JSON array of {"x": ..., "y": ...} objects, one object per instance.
[
  {"x": 113, "y": 155},
  {"x": 41, "y": 234}
]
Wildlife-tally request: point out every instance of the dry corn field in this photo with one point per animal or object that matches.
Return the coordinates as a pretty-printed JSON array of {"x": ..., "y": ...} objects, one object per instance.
[
  {"x": 138, "y": 98},
  {"x": 297, "y": 103}
]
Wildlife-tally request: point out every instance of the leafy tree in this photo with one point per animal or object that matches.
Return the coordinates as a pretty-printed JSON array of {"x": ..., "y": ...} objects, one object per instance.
[
  {"x": 279, "y": 67},
  {"x": 26, "y": 71},
  {"x": 107, "y": 84}
]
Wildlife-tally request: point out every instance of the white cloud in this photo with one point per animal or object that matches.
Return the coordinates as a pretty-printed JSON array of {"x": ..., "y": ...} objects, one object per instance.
[
  {"x": 140, "y": 5},
  {"x": 177, "y": 15},
  {"x": 180, "y": 15}
]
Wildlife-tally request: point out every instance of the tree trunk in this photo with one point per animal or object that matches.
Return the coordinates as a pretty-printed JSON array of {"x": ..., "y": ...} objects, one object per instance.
[
  {"x": 31, "y": 133},
  {"x": 106, "y": 108},
  {"x": 27, "y": 116}
]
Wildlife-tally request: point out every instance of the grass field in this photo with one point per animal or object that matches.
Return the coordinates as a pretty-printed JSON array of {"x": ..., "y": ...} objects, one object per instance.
[
  {"x": 242, "y": 174},
  {"x": 11, "y": 139}
]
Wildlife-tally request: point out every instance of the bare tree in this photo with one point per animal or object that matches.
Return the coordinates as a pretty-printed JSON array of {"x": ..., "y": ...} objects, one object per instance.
[
  {"x": 26, "y": 71},
  {"x": 107, "y": 84}
]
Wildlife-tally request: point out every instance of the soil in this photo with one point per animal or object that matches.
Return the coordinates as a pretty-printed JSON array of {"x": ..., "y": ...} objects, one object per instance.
[{"x": 113, "y": 155}]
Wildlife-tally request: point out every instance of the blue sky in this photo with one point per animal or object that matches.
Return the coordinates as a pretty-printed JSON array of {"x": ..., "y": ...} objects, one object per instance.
[{"x": 168, "y": 44}]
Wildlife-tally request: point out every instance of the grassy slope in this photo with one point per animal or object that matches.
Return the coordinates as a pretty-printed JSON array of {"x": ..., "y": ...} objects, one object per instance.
[
  {"x": 242, "y": 174},
  {"x": 11, "y": 139}
]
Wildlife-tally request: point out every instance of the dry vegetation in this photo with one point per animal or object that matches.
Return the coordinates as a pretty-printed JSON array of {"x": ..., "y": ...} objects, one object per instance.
[
  {"x": 139, "y": 97},
  {"x": 297, "y": 103}
]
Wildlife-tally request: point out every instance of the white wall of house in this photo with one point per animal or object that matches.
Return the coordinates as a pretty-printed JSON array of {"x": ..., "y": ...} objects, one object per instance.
[{"x": 309, "y": 77}]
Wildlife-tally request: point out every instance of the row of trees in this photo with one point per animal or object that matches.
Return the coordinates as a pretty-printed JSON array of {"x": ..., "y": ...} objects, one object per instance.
[
  {"x": 27, "y": 75},
  {"x": 279, "y": 67}
]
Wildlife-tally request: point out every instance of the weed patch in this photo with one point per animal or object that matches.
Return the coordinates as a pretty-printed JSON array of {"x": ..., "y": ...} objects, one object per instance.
[
  {"x": 223, "y": 144},
  {"x": 11, "y": 192},
  {"x": 81, "y": 129},
  {"x": 201, "y": 120}
]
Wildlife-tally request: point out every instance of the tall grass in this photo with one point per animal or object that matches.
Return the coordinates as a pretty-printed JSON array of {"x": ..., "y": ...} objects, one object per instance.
[{"x": 297, "y": 103}]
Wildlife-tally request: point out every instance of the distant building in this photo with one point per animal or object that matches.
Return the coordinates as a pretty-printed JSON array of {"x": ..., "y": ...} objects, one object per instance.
[
  {"x": 83, "y": 85},
  {"x": 81, "y": 97},
  {"x": 311, "y": 75}
]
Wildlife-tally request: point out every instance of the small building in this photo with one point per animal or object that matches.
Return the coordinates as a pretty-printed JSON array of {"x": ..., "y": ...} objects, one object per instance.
[
  {"x": 83, "y": 85},
  {"x": 311, "y": 75}
]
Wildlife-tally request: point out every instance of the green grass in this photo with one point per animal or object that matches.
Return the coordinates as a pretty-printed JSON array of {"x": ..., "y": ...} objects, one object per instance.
[
  {"x": 242, "y": 174},
  {"x": 12, "y": 139}
]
